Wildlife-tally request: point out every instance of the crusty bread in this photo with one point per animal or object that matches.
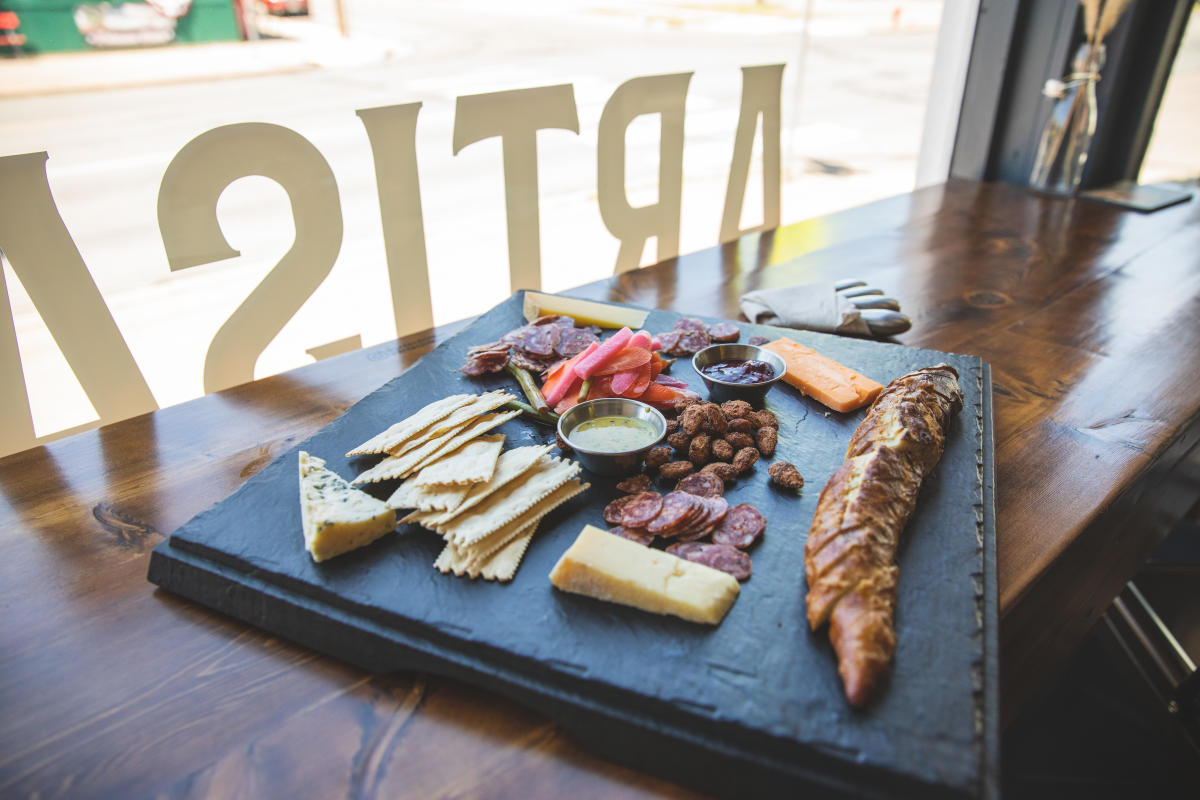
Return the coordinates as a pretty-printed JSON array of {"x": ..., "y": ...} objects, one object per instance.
[{"x": 851, "y": 548}]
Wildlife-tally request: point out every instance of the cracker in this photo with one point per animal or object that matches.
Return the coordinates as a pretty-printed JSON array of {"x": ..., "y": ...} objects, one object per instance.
[
  {"x": 407, "y": 464},
  {"x": 459, "y": 419},
  {"x": 509, "y": 466},
  {"x": 428, "y": 498},
  {"x": 474, "y": 430},
  {"x": 509, "y": 502},
  {"x": 481, "y": 551},
  {"x": 397, "y": 434},
  {"x": 503, "y": 565},
  {"x": 474, "y": 462}
]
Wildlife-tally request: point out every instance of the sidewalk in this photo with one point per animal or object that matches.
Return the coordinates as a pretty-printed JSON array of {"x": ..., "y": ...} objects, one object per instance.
[{"x": 287, "y": 45}]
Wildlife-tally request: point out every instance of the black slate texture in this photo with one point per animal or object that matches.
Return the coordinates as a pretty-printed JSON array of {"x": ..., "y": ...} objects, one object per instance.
[{"x": 755, "y": 703}]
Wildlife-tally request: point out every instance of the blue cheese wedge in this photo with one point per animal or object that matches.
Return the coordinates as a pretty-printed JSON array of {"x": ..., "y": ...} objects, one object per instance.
[
  {"x": 610, "y": 568},
  {"x": 335, "y": 516}
]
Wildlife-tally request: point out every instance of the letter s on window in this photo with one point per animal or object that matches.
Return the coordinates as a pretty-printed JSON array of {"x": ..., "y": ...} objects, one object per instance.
[{"x": 187, "y": 219}]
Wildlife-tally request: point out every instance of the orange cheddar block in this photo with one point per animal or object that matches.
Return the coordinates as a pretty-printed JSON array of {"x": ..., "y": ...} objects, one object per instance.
[{"x": 824, "y": 379}]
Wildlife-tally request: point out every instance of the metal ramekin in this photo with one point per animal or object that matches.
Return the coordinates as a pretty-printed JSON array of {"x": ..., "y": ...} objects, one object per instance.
[
  {"x": 625, "y": 462},
  {"x": 720, "y": 391}
]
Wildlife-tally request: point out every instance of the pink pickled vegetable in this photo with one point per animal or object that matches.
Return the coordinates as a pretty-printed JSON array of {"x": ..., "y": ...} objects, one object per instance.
[
  {"x": 655, "y": 343},
  {"x": 629, "y": 358},
  {"x": 665, "y": 380},
  {"x": 559, "y": 384},
  {"x": 589, "y": 365},
  {"x": 623, "y": 381},
  {"x": 641, "y": 339}
]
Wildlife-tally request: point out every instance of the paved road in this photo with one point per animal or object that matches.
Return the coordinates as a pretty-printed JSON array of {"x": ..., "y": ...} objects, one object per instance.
[{"x": 108, "y": 151}]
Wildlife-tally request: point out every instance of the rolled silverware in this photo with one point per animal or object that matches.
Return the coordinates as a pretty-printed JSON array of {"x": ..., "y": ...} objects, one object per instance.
[
  {"x": 876, "y": 301},
  {"x": 860, "y": 292},
  {"x": 885, "y": 322},
  {"x": 848, "y": 283}
]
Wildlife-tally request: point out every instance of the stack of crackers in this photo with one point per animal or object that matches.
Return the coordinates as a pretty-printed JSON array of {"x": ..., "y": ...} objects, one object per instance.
[{"x": 485, "y": 502}]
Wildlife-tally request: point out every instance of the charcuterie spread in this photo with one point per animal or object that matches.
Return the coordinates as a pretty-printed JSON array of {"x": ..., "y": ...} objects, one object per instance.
[{"x": 850, "y": 553}]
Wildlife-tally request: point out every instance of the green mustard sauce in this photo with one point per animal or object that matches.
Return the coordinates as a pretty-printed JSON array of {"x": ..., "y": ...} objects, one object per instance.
[{"x": 613, "y": 434}]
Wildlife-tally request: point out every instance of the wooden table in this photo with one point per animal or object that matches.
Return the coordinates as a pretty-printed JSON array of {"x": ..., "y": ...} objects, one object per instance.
[{"x": 1089, "y": 315}]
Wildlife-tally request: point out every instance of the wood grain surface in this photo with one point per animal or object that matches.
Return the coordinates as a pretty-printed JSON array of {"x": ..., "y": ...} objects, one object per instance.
[{"x": 1089, "y": 316}]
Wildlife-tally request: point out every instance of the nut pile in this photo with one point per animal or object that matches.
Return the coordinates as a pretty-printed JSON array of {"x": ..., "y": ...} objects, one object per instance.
[{"x": 725, "y": 440}]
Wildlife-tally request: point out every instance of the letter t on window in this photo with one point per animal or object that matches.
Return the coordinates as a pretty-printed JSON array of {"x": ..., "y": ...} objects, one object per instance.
[
  {"x": 516, "y": 117},
  {"x": 664, "y": 95}
]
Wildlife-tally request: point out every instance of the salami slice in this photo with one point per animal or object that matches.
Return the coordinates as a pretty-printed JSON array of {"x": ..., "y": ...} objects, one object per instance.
[
  {"x": 724, "y": 332},
  {"x": 633, "y": 534},
  {"x": 690, "y": 324},
  {"x": 614, "y": 512},
  {"x": 757, "y": 340},
  {"x": 742, "y": 526},
  {"x": 690, "y": 342},
  {"x": 543, "y": 339},
  {"x": 636, "y": 483},
  {"x": 643, "y": 507},
  {"x": 718, "y": 556},
  {"x": 676, "y": 509},
  {"x": 704, "y": 484},
  {"x": 669, "y": 340},
  {"x": 574, "y": 341}
]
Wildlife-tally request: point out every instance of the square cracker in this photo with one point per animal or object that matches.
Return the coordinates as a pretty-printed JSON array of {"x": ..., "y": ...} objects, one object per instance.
[
  {"x": 457, "y": 420},
  {"x": 509, "y": 467},
  {"x": 408, "y": 427},
  {"x": 407, "y": 464},
  {"x": 502, "y": 566},
  {"x": 474, "y": 462},
  {"x": 428, "y": 498},
  {"x": 481, "y": 551},
  {"x": 509, "y": 502}
]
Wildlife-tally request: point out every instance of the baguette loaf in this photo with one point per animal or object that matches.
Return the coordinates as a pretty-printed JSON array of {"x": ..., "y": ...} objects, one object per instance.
[{"x": 851, "y": 548}]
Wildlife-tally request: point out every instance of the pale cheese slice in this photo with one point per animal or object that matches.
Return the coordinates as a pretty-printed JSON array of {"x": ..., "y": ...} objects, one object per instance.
[
  {"x": 412, "y": 425},
  {"x": 584, "y": 312},
  {"x": 607, "y": 567},
  {"x": 334, "y": 516}
]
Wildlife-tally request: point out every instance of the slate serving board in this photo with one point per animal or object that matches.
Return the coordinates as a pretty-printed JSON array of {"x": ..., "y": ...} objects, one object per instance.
[{"x": 754, "y": 704}]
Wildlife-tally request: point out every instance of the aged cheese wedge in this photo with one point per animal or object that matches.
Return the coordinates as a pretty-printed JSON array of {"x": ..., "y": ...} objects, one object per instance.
[
  {"x": 584, "y": 312},
  {"x": 336, "y": 517},
  {"x": 608, "y": 567}
]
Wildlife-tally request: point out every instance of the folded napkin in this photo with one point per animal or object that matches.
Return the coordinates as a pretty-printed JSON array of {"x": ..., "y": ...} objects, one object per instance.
[{"x": 811, "y": 306}]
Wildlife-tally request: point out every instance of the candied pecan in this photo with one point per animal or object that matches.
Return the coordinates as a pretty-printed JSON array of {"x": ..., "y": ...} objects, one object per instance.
[
  {"x": 715, "y": 420},
  {"x": 677, "y": 469},
  {"x": 725, "y": 472},
  {"x": 739, "y": 440},
  {"x": 744, "y": 459},
  {"x": 764, "y": 419},
  {"x": 691, "y": 419},
  {"x": 721, "y": 450},
  {"x": 679, "y": 440},
  {"x": 700, "y": 449},
  {"x": 766, "y": 439},
  {"x": 681, "y": 403},
  {"x": 562, "y": 443},
  {"x": 740, "y": 425},
  {"x": 735, "y": 409},
  {"x": 786, "y": 475},
  {"x": 658, "y": 456},
  {"x": 672, "y": 425}
]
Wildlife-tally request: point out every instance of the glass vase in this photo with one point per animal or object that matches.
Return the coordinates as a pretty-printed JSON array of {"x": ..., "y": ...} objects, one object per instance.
[{"x": 1063, "y": 150}]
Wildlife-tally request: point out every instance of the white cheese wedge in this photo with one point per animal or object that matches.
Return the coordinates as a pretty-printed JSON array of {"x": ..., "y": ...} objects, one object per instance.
[
  {"x": 335, "y": 516},
  {"x": 608, "y": 567},
  {"x": 584, "y": 312}
]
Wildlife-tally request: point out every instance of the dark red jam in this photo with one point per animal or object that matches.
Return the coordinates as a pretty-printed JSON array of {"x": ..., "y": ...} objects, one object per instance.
[{"x": 740, "y": 370}]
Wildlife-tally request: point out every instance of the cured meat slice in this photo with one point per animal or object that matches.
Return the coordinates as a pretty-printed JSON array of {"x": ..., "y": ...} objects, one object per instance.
[
  {"x": 677, "y": 509},
  {"x": 633, "y": 534},
  {"x": 724, "y": 332},
  {"x": 718, "y": 556},
  {"x": 633, "y": 510},
  {"x": 523, "y": 359},
  {"x": 704, "y": 484},
  {"x": 669, "y": 340},
  {"x": 758, "y": 340},
  {"x": 486, "y": 358},
  {"x": 689, "y": 343},
  {"x": 636, "y": 483},
  {"x": 690, "y": 324},
  {"x": 573, "y": 341},
  {"x": 742, "y": 526}
]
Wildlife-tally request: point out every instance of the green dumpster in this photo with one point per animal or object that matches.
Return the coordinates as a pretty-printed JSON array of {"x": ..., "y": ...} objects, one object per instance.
[{"x": 61, "y": 25}]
